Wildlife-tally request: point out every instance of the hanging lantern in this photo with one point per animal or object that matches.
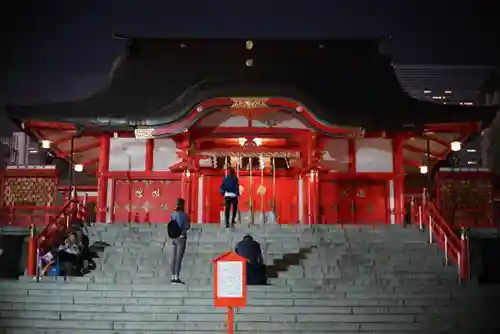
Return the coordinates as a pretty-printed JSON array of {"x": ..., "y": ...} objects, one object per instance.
[
  {"x": 78, "y": 168},
  {"x": 456, "y": 146},
  {"x": 424, "y": 169},
  {"x": 46, "y": 143}
]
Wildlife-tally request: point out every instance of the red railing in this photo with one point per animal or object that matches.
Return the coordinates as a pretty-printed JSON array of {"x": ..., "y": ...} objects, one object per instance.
[
  {"x": 26, "y": 215},
  {"x": 55, "y": 231},
  {"x": 455, "y": 246}
]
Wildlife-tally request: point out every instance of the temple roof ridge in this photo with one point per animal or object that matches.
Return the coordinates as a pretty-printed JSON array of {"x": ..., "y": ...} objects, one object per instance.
[{"x": 160, "y": 81}]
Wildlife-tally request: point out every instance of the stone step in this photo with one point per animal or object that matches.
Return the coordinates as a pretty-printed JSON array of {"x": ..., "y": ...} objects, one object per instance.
[{"x": 195, "y": 324}]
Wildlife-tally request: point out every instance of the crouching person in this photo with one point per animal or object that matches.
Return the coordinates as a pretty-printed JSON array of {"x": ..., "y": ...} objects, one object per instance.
[{"x": 256, "y": 269}]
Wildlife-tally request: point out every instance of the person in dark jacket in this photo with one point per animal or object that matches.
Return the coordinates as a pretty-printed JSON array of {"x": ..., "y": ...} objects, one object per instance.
[
  {"x": 179, "y": 244},
  {"x": 230, "y": 189},
  {"x": 256, "y": 269}
]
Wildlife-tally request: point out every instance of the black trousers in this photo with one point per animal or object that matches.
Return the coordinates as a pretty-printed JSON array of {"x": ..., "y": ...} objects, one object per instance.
[
  {"x": 228, "y": 203},
  {"x": 256, "y": 274}
]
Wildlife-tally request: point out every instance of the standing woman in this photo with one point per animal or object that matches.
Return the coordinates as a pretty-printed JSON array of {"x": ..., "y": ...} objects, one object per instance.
[{"x": 179, "y": 244}]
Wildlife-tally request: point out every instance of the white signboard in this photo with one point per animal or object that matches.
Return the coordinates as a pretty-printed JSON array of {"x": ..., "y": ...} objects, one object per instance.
[{"x": 229, "y": 279}]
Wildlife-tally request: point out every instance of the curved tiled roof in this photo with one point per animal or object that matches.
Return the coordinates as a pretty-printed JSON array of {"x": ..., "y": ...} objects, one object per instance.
[{"x": 343, "y": 82}]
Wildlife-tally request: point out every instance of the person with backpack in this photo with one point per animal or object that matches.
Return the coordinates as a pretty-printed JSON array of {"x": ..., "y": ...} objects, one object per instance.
[
  {"x": 230, "y": 189},
  {"x": 177, "y": 230}
]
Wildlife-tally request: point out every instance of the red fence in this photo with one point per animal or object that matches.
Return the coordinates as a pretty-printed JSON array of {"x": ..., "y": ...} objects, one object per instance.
[
  {"x": 56, "y": 230},
  {"x": 455, "y": 247}
]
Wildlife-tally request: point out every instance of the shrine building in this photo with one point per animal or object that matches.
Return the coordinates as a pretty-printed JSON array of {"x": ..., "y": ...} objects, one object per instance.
[{"x": 319, "y": 131}]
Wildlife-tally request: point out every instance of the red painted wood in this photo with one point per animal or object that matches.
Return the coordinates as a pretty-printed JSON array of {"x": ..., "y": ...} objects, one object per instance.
[
  {"x": 286, "y": 197},
  {"x": 287, "y": 200},
  {"x": 150, "y": 148},
  {"x": 213, "y": 200},
  {"x": 144, "y": 175},
  {"x": 371, "y": 203},
  {"x": 328, "y": 199},
  {"x": 135, "y": 200},
  {"x": 398, "y": 167},
  {"x": 102, "y": 181},
  {"x": 352, "y": 155},
  {"x": 343, "y": 202}
]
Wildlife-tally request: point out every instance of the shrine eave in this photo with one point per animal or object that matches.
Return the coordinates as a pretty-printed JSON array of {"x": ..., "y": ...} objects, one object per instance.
[
  {"x": 161, "y": 83},
  {"x": 417, "y": 115}
]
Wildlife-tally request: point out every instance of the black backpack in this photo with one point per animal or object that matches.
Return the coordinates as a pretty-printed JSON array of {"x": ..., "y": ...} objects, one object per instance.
[{"x": 173, "y": 229}]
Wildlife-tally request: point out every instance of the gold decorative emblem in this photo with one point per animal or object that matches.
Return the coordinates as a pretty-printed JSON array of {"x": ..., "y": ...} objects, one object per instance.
[
  {"x": 139, "y": 193},
  {"x": 361, "y": 193},
  {"x": 144, "y": 133},
  {"x": 164, "y": 206},
  {"x": 261, "y": 191},
  {"x": 156, "y": 193},
  {"x": 128, "y": 207},
  {"x": 242, "y": 189},
  {"x": 248, "y": 103}
]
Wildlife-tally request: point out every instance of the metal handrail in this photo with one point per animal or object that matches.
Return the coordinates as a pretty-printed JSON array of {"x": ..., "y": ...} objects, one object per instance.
[{"x": 455, "y": 247}]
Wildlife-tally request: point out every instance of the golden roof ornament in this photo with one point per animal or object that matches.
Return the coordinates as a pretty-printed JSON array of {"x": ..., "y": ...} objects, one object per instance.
[{"x": 248, "y": 103}]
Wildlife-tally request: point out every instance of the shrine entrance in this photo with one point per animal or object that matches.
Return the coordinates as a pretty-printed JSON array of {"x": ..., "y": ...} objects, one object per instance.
[
  {"x": 354, "y": 202},
  {"x": 260, "y": 175}
]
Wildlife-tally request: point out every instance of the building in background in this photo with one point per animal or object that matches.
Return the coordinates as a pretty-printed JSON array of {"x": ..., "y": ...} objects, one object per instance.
[
  {"x": 21, "y": 150},
  {"x": 490, "y": 143},
  {"x": 451, "y": 84}
]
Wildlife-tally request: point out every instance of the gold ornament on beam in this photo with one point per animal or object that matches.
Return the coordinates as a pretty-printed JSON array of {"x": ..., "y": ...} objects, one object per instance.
[
  {"x": 156, "y": 193},
  {"x": 164, "y": 207},
  {"x": 248, "y": 103}
]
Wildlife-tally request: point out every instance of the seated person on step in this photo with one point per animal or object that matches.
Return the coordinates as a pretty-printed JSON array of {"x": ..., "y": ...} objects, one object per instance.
[
  {"x": 48, "y": 262},
  {"x": 256, "y": 269},
  {"x": 70, "y": 256},
  {"x": 82, "y": 233}
]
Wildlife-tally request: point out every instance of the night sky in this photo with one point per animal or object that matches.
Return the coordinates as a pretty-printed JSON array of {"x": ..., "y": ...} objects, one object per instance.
[{"x": 62, "y": 50}]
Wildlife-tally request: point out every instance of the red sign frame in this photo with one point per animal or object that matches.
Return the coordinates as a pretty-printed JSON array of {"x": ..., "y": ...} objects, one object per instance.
[{"x": 236, "y": 301}]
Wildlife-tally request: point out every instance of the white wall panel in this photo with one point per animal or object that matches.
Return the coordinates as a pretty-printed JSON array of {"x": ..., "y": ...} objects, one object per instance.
[
  {"x": 165, "y": 154},
  {"x": 127, "y": 154},
  {"x": 336, "y": 155},
  {"x": 374, "y": 155}
]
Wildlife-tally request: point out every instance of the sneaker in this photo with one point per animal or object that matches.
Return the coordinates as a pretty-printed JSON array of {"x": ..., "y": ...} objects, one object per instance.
[{"x": 176, "y": 281}]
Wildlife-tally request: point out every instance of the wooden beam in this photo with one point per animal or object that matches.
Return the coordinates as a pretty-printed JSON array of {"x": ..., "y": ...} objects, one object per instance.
[{"x": 415, "y": 149}]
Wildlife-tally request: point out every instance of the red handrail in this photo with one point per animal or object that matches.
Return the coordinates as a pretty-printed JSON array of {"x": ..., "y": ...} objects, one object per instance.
[
  {"x": 56, "y": 229},
  {"x": 454, "y": 246}
]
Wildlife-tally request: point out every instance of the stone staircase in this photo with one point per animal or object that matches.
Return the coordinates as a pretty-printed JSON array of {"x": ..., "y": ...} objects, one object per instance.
[{"x": 328, "y": 279}]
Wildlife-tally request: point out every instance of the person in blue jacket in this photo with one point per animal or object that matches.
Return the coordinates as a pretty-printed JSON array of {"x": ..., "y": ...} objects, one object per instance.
[{"x": 230, "y": 189}]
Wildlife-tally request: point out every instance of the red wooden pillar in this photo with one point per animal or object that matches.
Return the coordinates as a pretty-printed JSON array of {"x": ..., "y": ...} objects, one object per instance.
[
  {"x": 351, "y": 149},
  {"x": 150, "y": 150},
  {"x": 399, "y": 207},
  {"x": 315, "y": 197},
  {"x": 102, "y": 186}
]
